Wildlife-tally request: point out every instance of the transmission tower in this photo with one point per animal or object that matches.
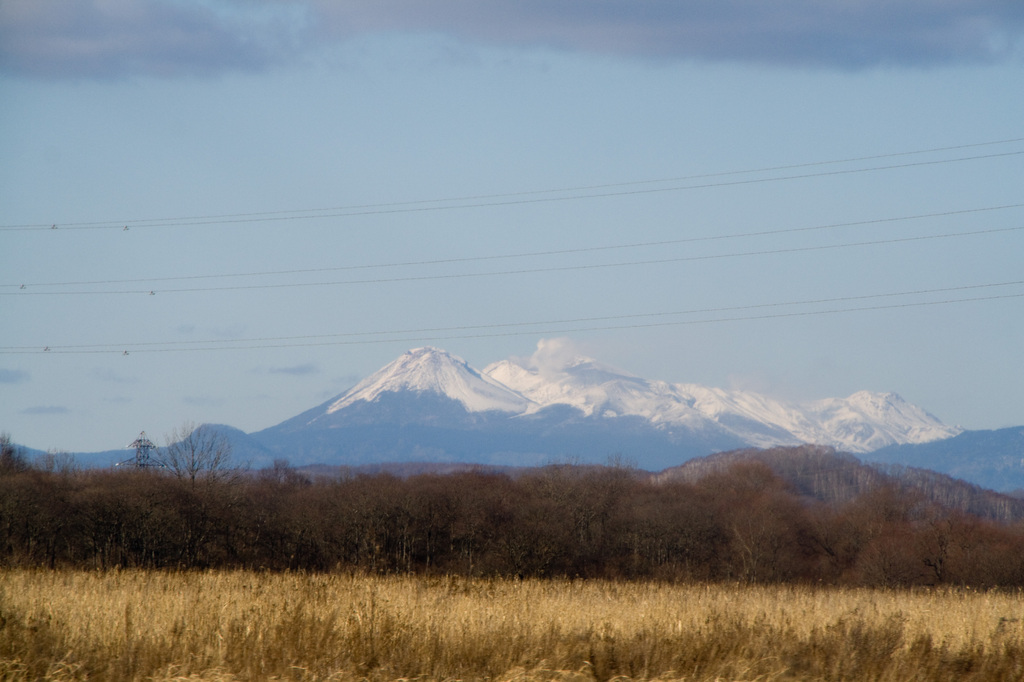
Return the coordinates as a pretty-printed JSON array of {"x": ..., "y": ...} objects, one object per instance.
[{"x": 143, "y": 447}]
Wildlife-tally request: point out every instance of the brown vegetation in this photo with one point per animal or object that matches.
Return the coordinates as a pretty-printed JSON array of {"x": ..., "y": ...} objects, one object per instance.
[
  {"x": 748, "y": 521},
  {"x": 216, "y": 625},
  {"x": 781, "y": 565}
]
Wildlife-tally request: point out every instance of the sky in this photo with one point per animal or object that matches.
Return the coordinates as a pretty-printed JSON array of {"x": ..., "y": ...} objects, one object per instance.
[{"x": 215, "y": 211}]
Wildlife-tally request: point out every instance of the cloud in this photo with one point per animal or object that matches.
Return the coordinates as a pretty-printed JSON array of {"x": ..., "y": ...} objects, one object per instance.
[
  {"x": 834, "y": 33},
  {"x": 296, "y": 370},
  {"x": 753, "y": 382},
  {"x": 202, "y": 401},
  {"x": 111, "y": 38},
  {"x": 116, "y": 38},
  {"x": 13, "y": 376},
  {"x": 553, "y": 356},
  {"x": 46, "y": 409}
]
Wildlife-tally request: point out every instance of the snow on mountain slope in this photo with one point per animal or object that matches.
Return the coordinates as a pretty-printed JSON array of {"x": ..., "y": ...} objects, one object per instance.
[
  {"x": 556, "y": 376},
  {"x": 875, "y": 420},
  {"x": 582, "y": 383},
  {"x": 431, "y": 370},
  {"x": 599, "y": 390},
  {"x": 596, "y": 390},
  {"x": 759, "y": 420},
  {"x": 861, "y": 423}
]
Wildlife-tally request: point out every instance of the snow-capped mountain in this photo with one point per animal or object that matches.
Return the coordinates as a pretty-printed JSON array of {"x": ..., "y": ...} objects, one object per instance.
[
  {"x": 868, "y": 421},
  {"x": 429, "y": 405},
  {"x": 429, "y": 370},
  {"x": 861, "y": 423},
  {"x": 552, "y": 393}
]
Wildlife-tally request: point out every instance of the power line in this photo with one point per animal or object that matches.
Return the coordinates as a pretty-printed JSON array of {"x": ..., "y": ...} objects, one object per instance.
[
  {"x": 542, "y": 332},
  {"x": 529, "y": 197},
  {"x": 523, "y": 271},
  {"x": 504, "y": 329},
  {"x": 528, "y": 254}
]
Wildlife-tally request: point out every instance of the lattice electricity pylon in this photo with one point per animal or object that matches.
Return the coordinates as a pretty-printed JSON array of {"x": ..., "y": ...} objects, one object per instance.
[{"x": 143, "y": 447}]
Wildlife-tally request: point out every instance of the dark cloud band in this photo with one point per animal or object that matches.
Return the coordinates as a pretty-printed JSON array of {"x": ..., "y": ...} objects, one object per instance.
[
  {"x": 835, "y": 33},
  {"x": 110, "y": 38},
  {"x": 117, "y": 38}
]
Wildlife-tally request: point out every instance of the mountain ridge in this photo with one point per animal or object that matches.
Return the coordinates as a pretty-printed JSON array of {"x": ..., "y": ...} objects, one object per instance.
[
  {"x": 860, "y": 423},
  {"x": 430, "y": 405}
]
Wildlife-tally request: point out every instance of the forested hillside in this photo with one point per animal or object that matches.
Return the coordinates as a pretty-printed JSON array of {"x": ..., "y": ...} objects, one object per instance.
[{"x": 838, "y": 478}]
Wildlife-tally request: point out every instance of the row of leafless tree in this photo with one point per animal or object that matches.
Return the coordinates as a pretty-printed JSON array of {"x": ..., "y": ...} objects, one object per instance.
[{"x": 743, "y": 522}]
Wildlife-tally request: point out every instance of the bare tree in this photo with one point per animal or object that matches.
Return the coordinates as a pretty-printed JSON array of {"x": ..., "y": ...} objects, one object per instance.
[
  {"x": 12, "y": 459},
  {"x": 56, "y": 461},
  {"x": 197, "y": 453}
]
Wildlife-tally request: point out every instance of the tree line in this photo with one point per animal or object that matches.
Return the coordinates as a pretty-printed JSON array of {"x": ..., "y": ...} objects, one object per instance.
[{"x": 738, "y": 522}]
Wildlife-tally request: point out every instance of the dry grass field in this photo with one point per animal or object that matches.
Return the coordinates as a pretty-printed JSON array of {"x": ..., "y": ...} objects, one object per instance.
[{"x": 144, "y": 625}]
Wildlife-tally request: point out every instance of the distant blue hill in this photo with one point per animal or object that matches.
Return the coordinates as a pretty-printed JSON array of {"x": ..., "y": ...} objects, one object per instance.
[
  {"x": 423, "y": 428},
  {"x": 991, "y": 459},
  {"x": 419, "y": 427}
]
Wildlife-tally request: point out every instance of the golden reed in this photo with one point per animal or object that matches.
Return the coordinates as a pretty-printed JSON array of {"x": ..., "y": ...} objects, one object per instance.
[{"x": 236, "y": 625}]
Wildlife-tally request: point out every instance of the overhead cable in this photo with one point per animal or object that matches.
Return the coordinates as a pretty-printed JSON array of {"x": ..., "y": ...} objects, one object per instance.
[
  {"x": 511, "y": 256},
  {"x": 25, "y": 291},
  {"x": 527, "y": 197},
  {"x": 505, "y": 329}
]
